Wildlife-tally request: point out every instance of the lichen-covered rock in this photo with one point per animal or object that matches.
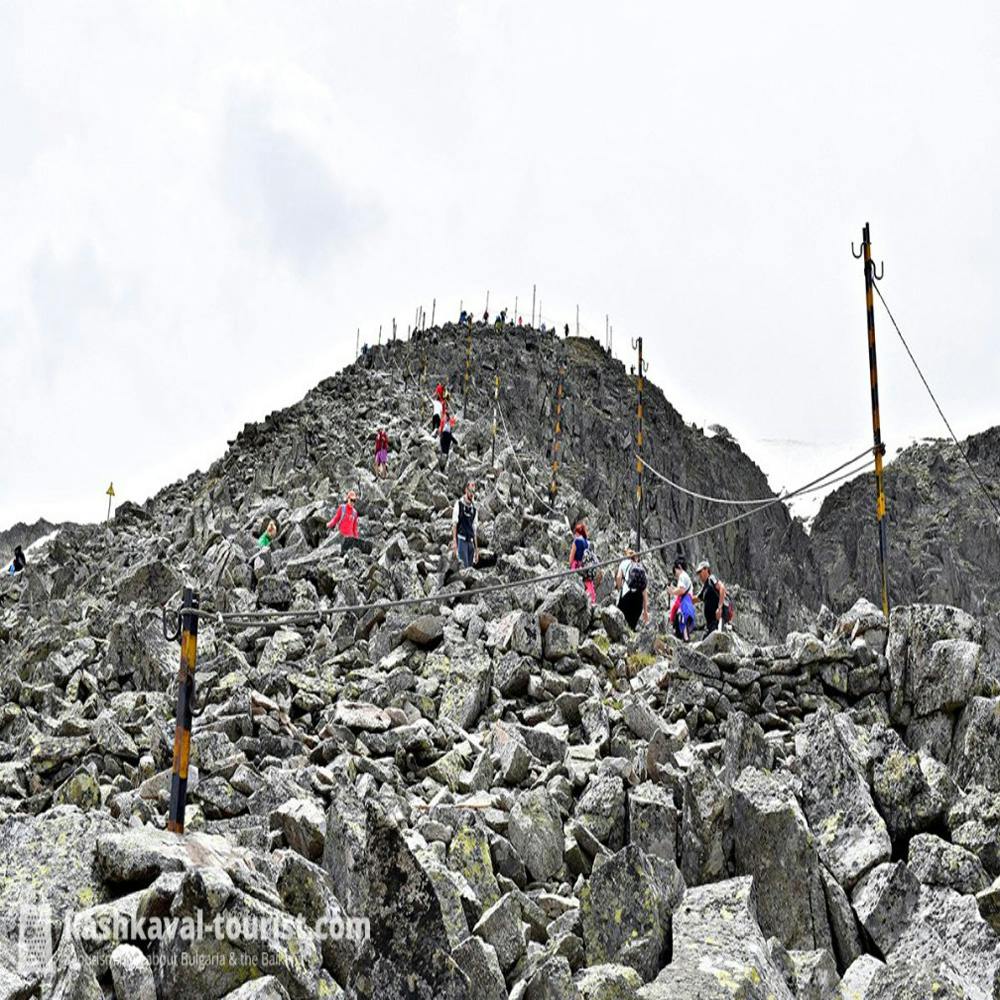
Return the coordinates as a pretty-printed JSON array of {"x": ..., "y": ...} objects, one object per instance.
[
  {"x": 50, "y": 859},
  {"x": 772, "y": 842},
  {"x": 936, "y": 862},
  {"x": 719, "y": 951},
  {"x": 913, "y": 630},
  {"x": 652, "y": 824},
  {"x": 132, "y": 974},
  {"x": 601, "y": 809},
  {"x": 469, "y": 854},
  {"x": 902, "y": 793},
  {"x": 625, "y": 913},
  {"x": 851, "y": 836},
  {"x": 479, "y": 963},
  {"x": 608, "y": 982},
  {"x": 703, "y": 824},
  {"x": 815, "y": 974},
  {"x": 976, "y": 747},
  {"x": 536, "y": 832},
  {"x": 500, "y": 927},
  {"x": 561, "y": 641},
  {"x": 408, "y": 956}
]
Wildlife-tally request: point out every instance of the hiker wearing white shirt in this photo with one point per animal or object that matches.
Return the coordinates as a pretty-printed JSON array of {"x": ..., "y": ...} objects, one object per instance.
[
  {"x": 464, "y": 526},
  {"x": 633, "y": 599}
]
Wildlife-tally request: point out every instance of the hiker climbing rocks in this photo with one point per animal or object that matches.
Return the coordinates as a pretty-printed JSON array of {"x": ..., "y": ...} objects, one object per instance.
[
  {"x": 486, "y": 315},
  {"x": 18, "y": 562},
  {"x": 716, "y": 602},
  {"x": 438, "y": 408},
  {"x": 633, "y": 599},
  {"x": 447, "y": 438},
  {"x": 462, "y": 318},
  {"x": 682, "y": 608},
  {"x": 381, "y": 453},
  {"x": 581, "y": 554},
  {"x": 269, "y": 535},
  {"x": 346, "y": 518},
  {"x": 464, "y": 524},
  {"x": 566, "y": 330}
]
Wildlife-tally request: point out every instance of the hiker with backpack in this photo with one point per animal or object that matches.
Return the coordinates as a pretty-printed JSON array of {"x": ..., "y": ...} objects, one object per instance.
[
  {"x": 716, "y": 601},
  {"x": 381, "y": 453},
  {"x": 581, "y": 555},
  {"x": 464, "y": 526},
  {"x": 682, "y": 614},
  {"x": 447, "y": 439},
  {"x": 633, "y": 599}
]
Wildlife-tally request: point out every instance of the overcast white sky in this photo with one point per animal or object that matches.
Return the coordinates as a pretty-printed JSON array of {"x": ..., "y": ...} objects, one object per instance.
[{"x": 201, "y": 202}]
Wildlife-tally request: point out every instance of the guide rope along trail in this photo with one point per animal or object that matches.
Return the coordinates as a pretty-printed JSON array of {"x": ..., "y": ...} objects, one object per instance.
[
  {"x": 249, "y": 619},
  {"x": 764, "y": 500},
  {"x": 965, "y": 455},
  {"x": 524, "y": 476}
]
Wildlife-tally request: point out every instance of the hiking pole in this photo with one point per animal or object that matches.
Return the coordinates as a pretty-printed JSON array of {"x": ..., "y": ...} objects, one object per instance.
[
  {"x": 870, "y": 276},
  {"x": 185, "y": 704}
]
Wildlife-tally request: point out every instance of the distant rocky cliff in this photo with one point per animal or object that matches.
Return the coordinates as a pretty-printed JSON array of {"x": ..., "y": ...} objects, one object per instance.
[{"x": 944, "y": 542}]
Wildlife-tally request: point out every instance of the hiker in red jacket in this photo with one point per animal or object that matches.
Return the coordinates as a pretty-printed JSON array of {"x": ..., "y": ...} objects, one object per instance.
[{"x": 346, "y": 518}]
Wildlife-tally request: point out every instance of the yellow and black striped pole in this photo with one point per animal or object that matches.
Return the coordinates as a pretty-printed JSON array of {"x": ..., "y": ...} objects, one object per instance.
[
  {"x": 496, "y": 402},
  {"x": 185, "y": 705},
  {"x": 866, "y": 247},
  {"x": 557, "y": 436},
  {"x": 639, "y": 467}
]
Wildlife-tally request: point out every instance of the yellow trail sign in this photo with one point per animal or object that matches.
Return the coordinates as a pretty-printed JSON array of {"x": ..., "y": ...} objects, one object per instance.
[{"x": 111, "y": 490}]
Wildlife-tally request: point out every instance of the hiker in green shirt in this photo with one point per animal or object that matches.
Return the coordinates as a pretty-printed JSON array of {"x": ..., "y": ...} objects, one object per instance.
[{"x": 270, "y": 533}]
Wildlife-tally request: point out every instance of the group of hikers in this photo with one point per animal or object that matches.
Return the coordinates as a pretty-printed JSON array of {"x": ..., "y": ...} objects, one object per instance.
[
  {"x": 466, "y": 318},
  {"x": 631, "y": 582},
  {"x": 633, "y": 590}
]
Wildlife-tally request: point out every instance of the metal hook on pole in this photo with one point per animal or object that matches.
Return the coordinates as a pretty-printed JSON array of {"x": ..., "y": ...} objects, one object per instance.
[
  {"x": 878, "y": 275},
  {"x": 857, "y": 254}
]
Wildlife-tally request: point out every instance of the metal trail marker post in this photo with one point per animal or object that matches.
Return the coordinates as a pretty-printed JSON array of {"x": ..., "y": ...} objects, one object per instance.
[
  {"x": 638, "y": 447},
  {"x": 110, "y": 492},
  {"x": 434, "y": 305},
  {"x": 880, "y": 507},
  {"x": 185, "y": 707},
  {"x": 532, "y": 306}
]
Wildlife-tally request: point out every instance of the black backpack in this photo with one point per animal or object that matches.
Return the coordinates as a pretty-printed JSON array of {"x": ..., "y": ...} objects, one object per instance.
[
  {"x": 727, "y": 604},
  {"x": 590, "y": 562},
  {"x": 637, "y": 578}
]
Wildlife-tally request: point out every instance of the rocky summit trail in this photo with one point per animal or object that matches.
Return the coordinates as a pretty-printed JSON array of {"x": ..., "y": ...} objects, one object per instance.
[{"x": 499, "y": 794}]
